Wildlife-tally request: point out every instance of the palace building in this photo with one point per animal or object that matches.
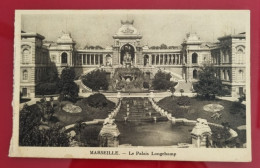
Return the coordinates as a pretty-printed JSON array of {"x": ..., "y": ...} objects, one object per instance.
[{"x": 182, "y": 62}]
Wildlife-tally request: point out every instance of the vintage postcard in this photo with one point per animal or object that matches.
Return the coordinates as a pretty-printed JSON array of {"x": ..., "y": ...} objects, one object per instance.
[{"x": 132, "y": 84}]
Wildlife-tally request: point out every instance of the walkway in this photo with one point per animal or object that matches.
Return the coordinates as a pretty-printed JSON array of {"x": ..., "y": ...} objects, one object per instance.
[{"x": 186, "y": 86}]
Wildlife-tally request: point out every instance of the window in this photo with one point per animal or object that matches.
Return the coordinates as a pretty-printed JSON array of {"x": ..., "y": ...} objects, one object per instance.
[
  {"x": 146, "y": 60},
  {"x": 227, "y": 56},
  {"x": 240, "y": 56},
  {"x": 194, "y": 58},
  {"x": 64, "y": 58},
  {"x": 79, "y": 59},
  {"x": 240, "y": 75},
  {"x": 24, "y": 92},
  {"x": 228, "y": 75},
  {"x": 195, "y": 74},
  {"x": 25, "y": 56},
  {"x": 25, "y": 75},
  {"x": 108, "y": 60}
]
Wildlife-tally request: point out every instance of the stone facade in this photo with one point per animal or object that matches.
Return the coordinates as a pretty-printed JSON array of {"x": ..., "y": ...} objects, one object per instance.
[
  {"x": 230, "y": 58},
  {"x": 34, "y": 62},
  {"x": 183, "y": 62}
]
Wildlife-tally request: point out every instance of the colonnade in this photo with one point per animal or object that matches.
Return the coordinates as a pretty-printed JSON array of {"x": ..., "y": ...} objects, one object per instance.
[
  {"x": 90, "y": 59},
  {"x": 162, "y": 59}
]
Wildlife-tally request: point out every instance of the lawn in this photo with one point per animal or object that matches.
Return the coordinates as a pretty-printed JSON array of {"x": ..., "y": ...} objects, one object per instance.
[
  {"x": 88, "y": 113},
  {"x": 233, "y": 112},
  {"x": 195, "y": 110}
]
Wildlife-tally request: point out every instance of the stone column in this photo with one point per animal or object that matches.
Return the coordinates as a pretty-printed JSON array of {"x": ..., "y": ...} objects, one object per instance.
[
  {"x": 82, "y": 59},
  {"x": 104, "y": 59},
  {"x": 163, "y": 56},
  {"x": 98, "y": 59}
]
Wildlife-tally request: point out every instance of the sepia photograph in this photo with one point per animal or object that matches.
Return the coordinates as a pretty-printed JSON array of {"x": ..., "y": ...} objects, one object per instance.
[{"x": 132, "y": 84}]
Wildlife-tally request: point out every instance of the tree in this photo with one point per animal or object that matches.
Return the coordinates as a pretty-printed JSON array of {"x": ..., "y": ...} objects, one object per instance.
[
  {"x": 49, "y": 80},
  {"x": 30, "y": 133},
  {"x": 79, "y": 127},
  {"x": 96, "y": 80},
  {"x": 162, "y": 81},
  {"x": 208, "y": 84},
  {"x": 68, "y": 88},
  {"x": 172, "y": 88},
  {"x": 163, "y": 46}
]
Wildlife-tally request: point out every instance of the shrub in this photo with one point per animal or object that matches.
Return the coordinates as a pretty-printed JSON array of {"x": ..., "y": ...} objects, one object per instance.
[
  {"x": 162, "y": 81},
  {"x": 183, "y": 101},
  {"x": 146, "y": 85},
  {"x": 242, "y": 98},
  {"x": 97, "y": 100},
  {"x": 29, "y": 133},
  {"x": 237, "y": 108},
  {"x": 46, "y": 89},
  {"x": 96, "y": 80}
]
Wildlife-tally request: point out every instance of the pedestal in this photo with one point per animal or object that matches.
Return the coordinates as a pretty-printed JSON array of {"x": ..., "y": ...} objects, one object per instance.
[
  {"x": 108, "y": 136},
  {"x": 200, "y": 133}
]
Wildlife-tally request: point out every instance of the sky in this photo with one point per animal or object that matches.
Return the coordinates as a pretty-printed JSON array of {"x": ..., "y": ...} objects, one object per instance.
[{"x": 156, "y": 27}]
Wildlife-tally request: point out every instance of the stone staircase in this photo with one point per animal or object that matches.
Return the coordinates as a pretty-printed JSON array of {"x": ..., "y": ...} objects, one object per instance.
[
  {"x": 186, "y": 86},
  {"x": 140, "y": 109},
  {"x": 83, "y": 88}
]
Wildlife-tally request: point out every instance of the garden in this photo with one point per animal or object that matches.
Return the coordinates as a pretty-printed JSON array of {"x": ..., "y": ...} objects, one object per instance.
[{"x": 214, "y": 111}]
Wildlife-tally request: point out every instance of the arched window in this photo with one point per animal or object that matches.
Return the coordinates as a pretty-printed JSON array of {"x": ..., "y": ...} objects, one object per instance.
[
  {"x": 195, "y": 74},
  {"x": 25, "y": 75},
  {"x": 64, "y": 58},
  {"x": 194, "y": 58},
  {"x": 108, "y": 60},
  {"x": 240, "y": 56},
  {"x": 228, "y": 75},
  {"x": 146, "y": 60},
  {"x": 223, "y": 74},
  {"x": 25, "y": 56},
  {"x": 227, "y": 56}
]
